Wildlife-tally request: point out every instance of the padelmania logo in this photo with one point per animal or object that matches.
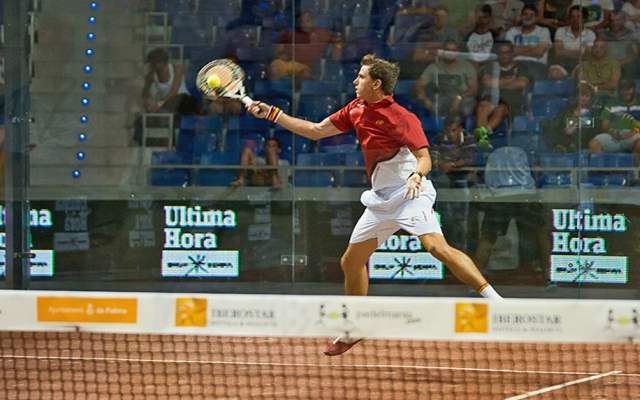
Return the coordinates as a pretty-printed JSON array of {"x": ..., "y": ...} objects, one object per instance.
[
  {"x": 191, "y": 311},
  {"x": 472, "y": 318}
]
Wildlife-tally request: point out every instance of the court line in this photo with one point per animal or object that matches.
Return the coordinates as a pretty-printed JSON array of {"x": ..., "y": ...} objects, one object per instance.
[
  {"x": 562, "y": 385},
  {"x": 318, "y": 365}
]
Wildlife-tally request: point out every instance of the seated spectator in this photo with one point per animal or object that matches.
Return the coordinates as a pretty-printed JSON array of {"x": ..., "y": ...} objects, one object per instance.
[
  {"x": 298, "y": 51},
  {"x": 620, "y": 124},
  {"x": 431, "y": 39},
  {"x": 480, "y": 41},
  {"x": 506, "y": 13},
  {"x": 600, "y": 70},
  {"x": 631, "y": 9},
  {"x": 452, "y": 151},
  {"x": 254, "y": 174},
  {"x": 571, "y": 129},
  {"x": 171, "y": 95},
  {"x": 599, "y": 13},
  {"x": 571, "y": 44},
  {"x": 623, "y": 45},
  {"x": 504, "y": 83},
  {"x": 532, "y": 43},
  {"x": 453, "y": 79},
  {"x": 553, "y": 14}
]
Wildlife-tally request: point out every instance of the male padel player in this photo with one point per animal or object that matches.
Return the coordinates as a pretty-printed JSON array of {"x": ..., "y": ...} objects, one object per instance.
[{"x": 397, "y": 159}]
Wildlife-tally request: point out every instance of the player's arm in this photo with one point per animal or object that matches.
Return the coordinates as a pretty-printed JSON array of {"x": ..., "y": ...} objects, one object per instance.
[
  {"x": 308, "y": 129},
  {"x": 414, "y": 183}
]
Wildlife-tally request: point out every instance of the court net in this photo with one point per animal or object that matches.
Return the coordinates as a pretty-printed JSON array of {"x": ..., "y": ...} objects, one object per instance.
[{"x": 56, "y": 345}]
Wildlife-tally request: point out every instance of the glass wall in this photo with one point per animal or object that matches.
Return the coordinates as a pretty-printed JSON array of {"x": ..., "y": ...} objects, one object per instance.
[{"x": 120, "y": 174}]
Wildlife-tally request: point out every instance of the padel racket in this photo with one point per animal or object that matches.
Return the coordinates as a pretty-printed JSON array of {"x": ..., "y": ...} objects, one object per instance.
[{"x": 230, "y": 83}]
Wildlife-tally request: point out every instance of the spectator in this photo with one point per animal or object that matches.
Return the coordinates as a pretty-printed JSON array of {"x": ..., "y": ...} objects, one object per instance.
[
  {"x": 506, "y": 13},
  {"x": 598, "y": 13},
  {"x": 504, "y": 84},
  {"x": 166, "y": 81},
  {"x": 620, "y": 124},
  {"x": 453, "y": 151},
  {"x": 571, "y": 129},
  {"x": 453, "y": 154},
  {"x": 453, "y": 79},
  {"x": 299, "y": 50},
  {"x": 600, "y": 70},
  {"x": 258, "y": 175},
  {"x": 623, "y": 45},
  {"x": 632, "y": 10},
  {"x": 430, "y": 40},
  {"x": 532, "y": 43},
  {"x": 480, "y": 41},
  {"x": 571, "y": 44},
  {"x": 553, "y": 14}
]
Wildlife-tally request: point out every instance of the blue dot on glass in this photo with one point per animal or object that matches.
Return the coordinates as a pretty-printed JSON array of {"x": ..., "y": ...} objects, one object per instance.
[
  {"x": 92, "y": 20},
  {"x": 89, "y": 52},
  {"x": 86, "y": 86},
  {"x": 84, "y": 119},
  {"x": 85, "y": 102},
  {"x": 76, "y": 173},
  {"x": 82, "y": 137},
  {"x": 91, "y": 36},
  {"x": 87, "y": 69},
  {"x": 80, "y": 155},
  {"x": 93, "y": 5}
]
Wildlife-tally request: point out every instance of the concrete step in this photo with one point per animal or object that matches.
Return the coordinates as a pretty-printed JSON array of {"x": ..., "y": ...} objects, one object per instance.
[
  {"x": 55, "y": 29},
  {"x": 62, "y": 129},
  {"x": 71, "y": 102},
  {"x": 121, "y": 157},
  {"x": 49, "y": 176},
  {"x": 103, "y": 70},
  {"x": 101, "y": 53},
  {"x": 131, "y": 86},
  {"x": 104, "y": 7}
]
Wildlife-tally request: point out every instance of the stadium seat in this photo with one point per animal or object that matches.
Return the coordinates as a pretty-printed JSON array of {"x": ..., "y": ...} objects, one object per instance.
[
  {"x": 316, "y": 177},
  {"x": 548, "y": 107},
  {"x": 216, "y": 176},
  {"x": 316, "y": 108},
  {"x": 344, "y": 143},
  {"x": 355, "y": 178},
  {"x": 199, "y": 134},
  {"x": 556, "y": 169},
  {"x": 560, "y": 88},
  {"x": 169, "y": 176},
  {"x": 291, "y": 144},
  {"x": 432, "y": 125},
  {"x": 610, "y": 160}
]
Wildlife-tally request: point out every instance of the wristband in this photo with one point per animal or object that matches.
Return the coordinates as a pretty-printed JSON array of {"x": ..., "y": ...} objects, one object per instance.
[
  {"x": 274, "y": 113},
  {"x": 416, "y": 173}
]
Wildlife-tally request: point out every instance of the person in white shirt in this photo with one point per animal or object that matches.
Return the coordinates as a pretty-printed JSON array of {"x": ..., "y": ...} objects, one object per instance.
[
  {"x": 532, "y": 43},
  {"x": 571, "y": 44}
]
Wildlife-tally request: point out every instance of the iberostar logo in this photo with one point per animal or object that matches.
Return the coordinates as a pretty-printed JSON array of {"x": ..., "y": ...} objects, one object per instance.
[
  {"x": 191, "y": 311},
  {"x": 472, "y": 318}
]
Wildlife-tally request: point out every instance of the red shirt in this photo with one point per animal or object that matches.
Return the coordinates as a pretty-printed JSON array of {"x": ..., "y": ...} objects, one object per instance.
[{"x": 382, "y": 128}]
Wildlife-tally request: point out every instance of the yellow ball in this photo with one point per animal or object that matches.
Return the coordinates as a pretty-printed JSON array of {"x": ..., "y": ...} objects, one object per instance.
[{"x": 213, "y": 81}]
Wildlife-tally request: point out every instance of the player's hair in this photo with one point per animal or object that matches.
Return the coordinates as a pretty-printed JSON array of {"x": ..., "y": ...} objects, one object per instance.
[
  {"x": 384, "y": 70},
  {"x": 158, "y": 56}
]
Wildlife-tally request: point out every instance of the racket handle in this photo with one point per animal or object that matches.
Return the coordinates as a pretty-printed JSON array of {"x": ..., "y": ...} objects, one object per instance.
[{"x": 246, "y": 100}]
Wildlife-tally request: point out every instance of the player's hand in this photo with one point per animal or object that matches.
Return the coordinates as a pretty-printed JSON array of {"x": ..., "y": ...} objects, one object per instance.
[
  {"x": 258, "y": 109},
  {"x": 414, "y": 187}
]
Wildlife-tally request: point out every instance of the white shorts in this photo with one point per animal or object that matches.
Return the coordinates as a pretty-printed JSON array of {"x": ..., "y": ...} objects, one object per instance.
[
  {"x": 611, "y": 145},
  {"x": 385, "y": 215}
]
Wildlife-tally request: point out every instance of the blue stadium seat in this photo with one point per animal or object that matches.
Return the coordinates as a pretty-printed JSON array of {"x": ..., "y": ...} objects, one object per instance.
[
  {"x": 291, "y": 144},
  {"x": 199, "y": 134},
  {"x": 316, "y": 177},
  {"x": 169, "y": 176},
  {"x": 316, "y": 108},
  {"x": 560, "y": 88},
  {"x": 265, "y": 89},
  {"x": 548, "y": 107},
  {"x": 245, "y": 130},
  {"x": 610, "y": 160},
  {"x": 216, "y": 176},
  {"x": 432, "y": 126},
  {"x": 355, "y": 178},
  {"x": 343, "y": 143},
  {"x": 555, "y": 169},
  {"x": 313, "y": 87}
]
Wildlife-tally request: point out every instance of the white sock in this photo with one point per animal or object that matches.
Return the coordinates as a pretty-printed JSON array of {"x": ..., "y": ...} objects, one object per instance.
[{"x": 490, "y": 293}]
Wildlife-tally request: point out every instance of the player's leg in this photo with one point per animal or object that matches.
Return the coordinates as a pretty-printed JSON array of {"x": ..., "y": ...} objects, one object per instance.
[
  {"x": 354, "y": 265},
  {"x": 459, "y": 263}
]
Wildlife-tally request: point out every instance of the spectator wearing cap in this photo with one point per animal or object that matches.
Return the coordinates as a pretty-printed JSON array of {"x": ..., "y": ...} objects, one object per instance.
[{"x": 620, "y": 124}]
